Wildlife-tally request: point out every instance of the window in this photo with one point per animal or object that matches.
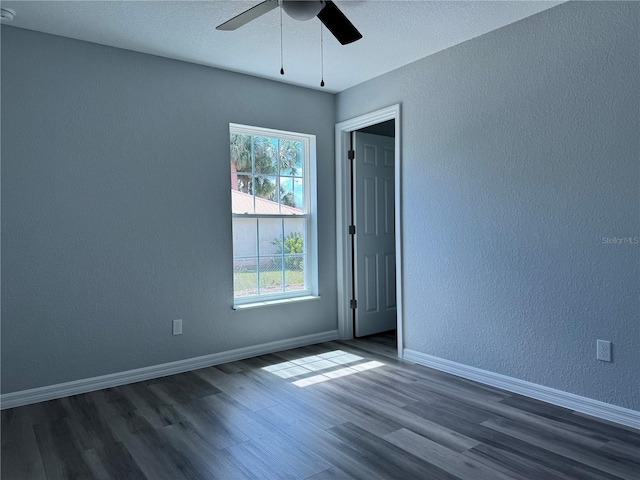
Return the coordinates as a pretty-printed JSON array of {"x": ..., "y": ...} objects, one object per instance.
[{"x": 273, "y": 209}]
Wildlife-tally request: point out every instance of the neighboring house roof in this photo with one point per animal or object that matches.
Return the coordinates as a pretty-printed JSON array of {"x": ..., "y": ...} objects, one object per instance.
[{"x": 243, "y": 203}]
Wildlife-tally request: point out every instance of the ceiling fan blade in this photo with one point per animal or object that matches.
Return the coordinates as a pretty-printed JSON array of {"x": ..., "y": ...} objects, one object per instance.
[
  {"x": 338, "y": 24},
  {"x": 248, "y": 15}
]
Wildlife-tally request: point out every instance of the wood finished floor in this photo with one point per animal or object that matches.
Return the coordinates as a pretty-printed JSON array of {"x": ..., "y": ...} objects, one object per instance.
[{"x": 363, "y": 414}]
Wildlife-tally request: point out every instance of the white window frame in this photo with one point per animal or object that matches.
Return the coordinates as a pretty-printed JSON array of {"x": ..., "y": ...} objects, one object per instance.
[{"x": 310, "y": 199}]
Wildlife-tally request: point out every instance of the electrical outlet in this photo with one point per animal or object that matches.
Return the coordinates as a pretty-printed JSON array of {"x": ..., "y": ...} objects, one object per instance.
[
  {"x": 604, "y": 350},
  {"x": 177, "y": 327}
]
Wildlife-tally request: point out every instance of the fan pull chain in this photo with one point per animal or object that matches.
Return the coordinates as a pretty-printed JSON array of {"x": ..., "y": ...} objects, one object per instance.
[
  {"x": 321, "y": 57},
  {"x": 281, "y": 55}
]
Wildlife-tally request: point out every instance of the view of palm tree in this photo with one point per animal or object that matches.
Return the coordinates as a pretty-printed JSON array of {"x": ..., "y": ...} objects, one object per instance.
[{"x": 268, "y": 168}]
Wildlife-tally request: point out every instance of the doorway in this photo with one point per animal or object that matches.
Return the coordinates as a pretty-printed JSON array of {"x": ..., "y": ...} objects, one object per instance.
[{"x": 349, "y": 261}]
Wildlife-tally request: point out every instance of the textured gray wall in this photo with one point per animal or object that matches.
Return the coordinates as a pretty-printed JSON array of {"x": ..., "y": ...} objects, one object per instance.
[
  {"x": 520, "y": 152},
  {"x": 116, "y": 209}
]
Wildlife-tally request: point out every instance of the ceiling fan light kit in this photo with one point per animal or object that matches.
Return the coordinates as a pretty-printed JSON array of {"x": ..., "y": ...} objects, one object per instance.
[
  {"x": 327, "y": 11},
  {"x": 303, "y": 10}
]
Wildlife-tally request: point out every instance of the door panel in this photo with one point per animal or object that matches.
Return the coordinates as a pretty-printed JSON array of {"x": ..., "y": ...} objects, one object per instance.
[
  {"x": 389, "y": 155},
  {"x": 371, "y": 283},
  {"x": 389, "y": 203},
  {"x": 370, "y": 206},
  {"x": 375, "y": 270},
  {"x": 370, "y": 154}
]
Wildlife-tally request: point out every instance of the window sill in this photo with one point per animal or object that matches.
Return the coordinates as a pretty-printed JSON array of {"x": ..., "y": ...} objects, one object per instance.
[{"x": 268, "y": 303}]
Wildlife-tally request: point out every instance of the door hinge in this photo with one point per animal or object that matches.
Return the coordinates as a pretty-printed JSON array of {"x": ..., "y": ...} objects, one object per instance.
[
  {"x": 351, "y": 154},
  {"x": 353, "y": 303},
  {"x": 352, "y": 229}
]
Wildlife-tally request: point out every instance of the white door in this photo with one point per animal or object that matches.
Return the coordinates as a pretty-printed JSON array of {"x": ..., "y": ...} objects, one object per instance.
[{"x": 375, "y": 258}]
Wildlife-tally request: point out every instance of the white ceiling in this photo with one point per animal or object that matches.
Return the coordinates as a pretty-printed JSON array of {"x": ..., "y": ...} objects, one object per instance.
[{"x": 395, "y": 33}]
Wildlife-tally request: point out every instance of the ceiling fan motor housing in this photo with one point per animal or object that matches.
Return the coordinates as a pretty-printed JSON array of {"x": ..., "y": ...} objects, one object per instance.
[
  {"x": 302, "y": 9},
  {"x": 325, "y": 10}
]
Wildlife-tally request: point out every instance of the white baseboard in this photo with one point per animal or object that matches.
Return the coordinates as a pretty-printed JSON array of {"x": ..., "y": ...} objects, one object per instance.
[
  {"x": 50, "y": 392},
  {"x": 595, "y": 408}
]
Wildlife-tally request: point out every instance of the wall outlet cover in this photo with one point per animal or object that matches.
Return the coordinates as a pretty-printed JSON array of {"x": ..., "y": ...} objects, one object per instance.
[
  {"x": 177, "y": 327},
  {"x": 604, "y": 350}
]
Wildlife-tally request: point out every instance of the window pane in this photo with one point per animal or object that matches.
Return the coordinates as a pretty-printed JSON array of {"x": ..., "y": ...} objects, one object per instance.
[
  {"x": 291, "y": 196},
  {"x": 294, "y": 235},
  {"x": 294, "y": 249},
  {"x": 241, "y": 197},
  {"x": 245, "y": 277},
  {"x": 265, "y": 154},
  {"x": 245, "y": 250},
  {"x": 241, "y": 176},
  {"x": 298, "y": 192},
  {"x": 265, "y": 191},
  {"x": 291, "y": 158},
  {"x": 270, "y": 236},
  {"x": 240, "y": 153},
  {"x": 245, "y": 183},
  {"x": 270, "y": 274},
  {"x": 245, "y": 237},
  {"x": 281, "y": 260},
  {"x": 294, "y": 272}
]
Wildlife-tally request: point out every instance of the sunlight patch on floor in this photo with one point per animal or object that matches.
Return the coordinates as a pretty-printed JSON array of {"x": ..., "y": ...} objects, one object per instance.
[
  {"x": 331, "y": 364},
  {"x": 343, "y": 372}
]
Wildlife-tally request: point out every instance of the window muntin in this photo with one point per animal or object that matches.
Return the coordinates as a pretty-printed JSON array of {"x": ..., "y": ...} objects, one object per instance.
[{"x": 273, "y": 193}]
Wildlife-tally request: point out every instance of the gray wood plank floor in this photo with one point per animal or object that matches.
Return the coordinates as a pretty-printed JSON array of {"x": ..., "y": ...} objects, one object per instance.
[{"x": 338, "y": 410}]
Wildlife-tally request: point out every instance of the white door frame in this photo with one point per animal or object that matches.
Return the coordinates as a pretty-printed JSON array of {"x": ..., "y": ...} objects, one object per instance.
[{"x": 343, "y": 195}]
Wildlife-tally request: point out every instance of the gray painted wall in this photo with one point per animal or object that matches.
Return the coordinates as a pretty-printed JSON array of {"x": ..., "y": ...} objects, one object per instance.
[
  {"x": 520, "y": 152},
  {"x": 116, "y": 209}
]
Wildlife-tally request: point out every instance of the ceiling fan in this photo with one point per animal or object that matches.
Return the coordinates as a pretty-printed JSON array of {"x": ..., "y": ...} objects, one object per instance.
[{"x": 327, "y": 11}]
